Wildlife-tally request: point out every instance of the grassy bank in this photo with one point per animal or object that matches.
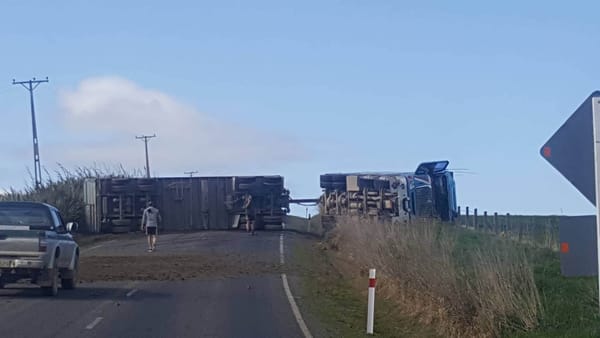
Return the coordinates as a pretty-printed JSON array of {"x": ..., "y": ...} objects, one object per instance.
[
  {"x": 340, "y": 302},
  {"x": 451, "y": 282}
]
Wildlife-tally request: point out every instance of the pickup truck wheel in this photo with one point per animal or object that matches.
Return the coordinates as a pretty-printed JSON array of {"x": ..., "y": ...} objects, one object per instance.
[
  {"x": 71, "y": 283},
  {"x": 52, "y": 290}
]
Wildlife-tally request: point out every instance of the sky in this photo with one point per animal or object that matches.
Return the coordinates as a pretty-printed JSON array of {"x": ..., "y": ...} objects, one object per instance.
[{"x": 301, "y": 88}]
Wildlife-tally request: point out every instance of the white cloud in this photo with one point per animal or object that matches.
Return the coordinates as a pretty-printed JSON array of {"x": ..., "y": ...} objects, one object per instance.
[{"x": 115, "y": 110}]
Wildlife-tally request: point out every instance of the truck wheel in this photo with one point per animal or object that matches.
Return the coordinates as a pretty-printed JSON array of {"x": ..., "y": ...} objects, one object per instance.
[
  {"x": 71, "y": 282},
  {"x": 52, "y": 290}
]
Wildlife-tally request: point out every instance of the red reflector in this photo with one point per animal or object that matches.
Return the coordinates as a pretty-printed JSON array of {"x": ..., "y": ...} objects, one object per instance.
[
  {"x": 372, "y": 282},
  {"x": 547, "y": 151},
  {"x": 564, "y": 247}
]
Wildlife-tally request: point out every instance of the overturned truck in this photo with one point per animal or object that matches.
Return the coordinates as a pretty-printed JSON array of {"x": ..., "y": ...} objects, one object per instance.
[
  {"x": 186, "y": 203},
  {"x": 429, "y": 192}
]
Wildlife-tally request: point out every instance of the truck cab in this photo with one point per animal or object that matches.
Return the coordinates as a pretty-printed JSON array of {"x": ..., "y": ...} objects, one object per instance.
[{"x": 442, "y": 187}]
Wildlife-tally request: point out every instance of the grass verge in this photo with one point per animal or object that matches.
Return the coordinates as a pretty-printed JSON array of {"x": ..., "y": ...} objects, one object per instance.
[{"x": 341, "y": 307}]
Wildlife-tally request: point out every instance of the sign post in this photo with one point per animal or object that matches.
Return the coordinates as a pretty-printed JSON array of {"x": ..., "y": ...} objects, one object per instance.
[
  {"x": 572, "y": 150},
  {"x": 596, "y": 123}
]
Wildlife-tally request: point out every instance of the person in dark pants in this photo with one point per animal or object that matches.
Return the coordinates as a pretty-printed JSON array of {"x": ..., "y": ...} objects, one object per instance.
[
  {"x": 150, "y": 220},
  {"x": 250, "y": 214}
]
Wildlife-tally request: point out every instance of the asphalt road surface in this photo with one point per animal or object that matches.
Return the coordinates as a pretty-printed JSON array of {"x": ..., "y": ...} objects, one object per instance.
[{"x": 207, "y": 284}]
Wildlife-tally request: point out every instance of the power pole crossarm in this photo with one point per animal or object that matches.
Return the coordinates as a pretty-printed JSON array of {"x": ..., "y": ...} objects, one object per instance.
[
  {"x": 145, "y": 138},
  {"x": 191, "y": 173},
  {"x": 31, "y": 85}
]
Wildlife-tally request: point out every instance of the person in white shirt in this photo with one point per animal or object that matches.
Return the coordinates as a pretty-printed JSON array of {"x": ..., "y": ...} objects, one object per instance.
[{"x": 150, "y": 219}]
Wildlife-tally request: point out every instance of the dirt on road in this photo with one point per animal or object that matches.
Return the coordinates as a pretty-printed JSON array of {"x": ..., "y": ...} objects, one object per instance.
[{"x": 170, "y": 267}]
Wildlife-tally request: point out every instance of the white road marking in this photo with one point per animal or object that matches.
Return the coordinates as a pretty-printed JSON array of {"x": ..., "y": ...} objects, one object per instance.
[
  {"x": 295, "y": 308},
  {"x": 94, "y": 247},
  {"x": 97, "y": 246},
  {"x": 281, "y": 254},
  {"x": 130, "y": 293},
  {"x": 94, "y": 323},
  {"x": 289, "y": 295}
]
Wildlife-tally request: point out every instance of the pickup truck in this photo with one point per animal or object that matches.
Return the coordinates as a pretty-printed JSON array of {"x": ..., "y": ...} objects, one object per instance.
[{"x": 36, "y": 246}]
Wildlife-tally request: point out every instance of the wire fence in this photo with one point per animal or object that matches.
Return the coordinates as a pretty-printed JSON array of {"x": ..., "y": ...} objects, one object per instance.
[{"x": 538, "y": 231}]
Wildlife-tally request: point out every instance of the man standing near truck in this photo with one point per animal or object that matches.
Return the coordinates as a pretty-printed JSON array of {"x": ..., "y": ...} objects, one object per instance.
[
  {"x": 150, "y": 220},
  {"x": 250, "y": 214}
]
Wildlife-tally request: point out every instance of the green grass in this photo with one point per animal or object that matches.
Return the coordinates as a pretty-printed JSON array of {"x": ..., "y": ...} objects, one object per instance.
[
  {"x": 570, "y": 304},
  {"x": 341, "y": 307}
]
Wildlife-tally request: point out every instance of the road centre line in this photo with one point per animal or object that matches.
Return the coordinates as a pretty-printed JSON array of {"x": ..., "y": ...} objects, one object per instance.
[{"x": 94, "y": 323}]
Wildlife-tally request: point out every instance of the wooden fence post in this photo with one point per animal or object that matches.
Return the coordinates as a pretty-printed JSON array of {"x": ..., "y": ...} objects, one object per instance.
[
  {"x": 508, "y": 225},
  {"x": 468, "y": 220},
  {"x": 475, "y": 218},
  {"x": 485, "y": 221},
  {"x": 458, "y": 219},
  {"x": 495, "y": 222}
]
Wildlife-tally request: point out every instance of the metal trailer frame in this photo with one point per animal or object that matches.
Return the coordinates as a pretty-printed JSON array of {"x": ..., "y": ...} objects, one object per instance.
[{"x": 185, "y": 203}]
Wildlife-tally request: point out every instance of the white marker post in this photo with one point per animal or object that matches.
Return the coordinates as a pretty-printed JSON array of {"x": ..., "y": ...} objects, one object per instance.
[
  {"x": 596, "y": 119},
  {"x": 371, "y": 305}
]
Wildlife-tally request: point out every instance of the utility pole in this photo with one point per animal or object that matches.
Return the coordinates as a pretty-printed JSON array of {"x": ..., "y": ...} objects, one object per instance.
[
  {"x": 191, "y": 173},
  {"x": 145, "y": 138},
  {"x": 31, "y": 85}
]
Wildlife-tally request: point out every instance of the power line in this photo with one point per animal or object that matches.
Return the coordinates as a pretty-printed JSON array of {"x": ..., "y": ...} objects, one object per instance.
[
  {"x": 145, "y": 138},
  {"x": 31, "y": 85}
]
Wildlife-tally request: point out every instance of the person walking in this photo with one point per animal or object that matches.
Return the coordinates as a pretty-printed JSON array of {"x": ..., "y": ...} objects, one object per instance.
[
  {"x": 150, "y": 219},
  {"x": 250, "y": 214}
]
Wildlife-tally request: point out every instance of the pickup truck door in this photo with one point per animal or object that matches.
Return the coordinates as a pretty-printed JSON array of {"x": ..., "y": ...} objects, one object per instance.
[{"x": 64, "y": 239}]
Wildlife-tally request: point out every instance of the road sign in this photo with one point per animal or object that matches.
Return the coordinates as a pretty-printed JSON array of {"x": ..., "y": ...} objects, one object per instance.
[
  {"x": 571, "y": 149},
  {"x": 574, "y": 150},
  {"x": 578, "y": 249}
]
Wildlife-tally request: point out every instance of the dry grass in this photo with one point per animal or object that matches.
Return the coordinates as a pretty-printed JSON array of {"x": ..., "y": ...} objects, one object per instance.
[
  {"x": 441, "y": 279},
  {"x": 64, "y": 189}
]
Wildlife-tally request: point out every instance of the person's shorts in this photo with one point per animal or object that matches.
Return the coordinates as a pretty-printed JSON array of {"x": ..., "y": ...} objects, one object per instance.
[
  {"x": 151, "y": 231},
  {"x": 251, "y": 217}
]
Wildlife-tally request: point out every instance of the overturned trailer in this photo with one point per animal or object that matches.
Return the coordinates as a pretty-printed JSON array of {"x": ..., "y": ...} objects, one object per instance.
[{"x": 186, "y": 203}]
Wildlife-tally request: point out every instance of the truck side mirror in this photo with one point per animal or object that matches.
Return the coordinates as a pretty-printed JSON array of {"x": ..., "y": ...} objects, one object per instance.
[{"x": 72, "y": 227}]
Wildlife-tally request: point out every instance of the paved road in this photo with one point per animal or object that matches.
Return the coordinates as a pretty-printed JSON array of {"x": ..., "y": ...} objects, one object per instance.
[{"x": 241, "y": 306}]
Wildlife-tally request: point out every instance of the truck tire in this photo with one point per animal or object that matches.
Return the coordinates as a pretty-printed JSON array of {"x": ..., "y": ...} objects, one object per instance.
[
  {"x": 71, "y": 282},
  {"x": 52, "y": 290}
]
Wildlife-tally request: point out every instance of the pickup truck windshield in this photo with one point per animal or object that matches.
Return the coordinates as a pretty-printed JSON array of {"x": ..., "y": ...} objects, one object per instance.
[{"x": 38, "y": 217}]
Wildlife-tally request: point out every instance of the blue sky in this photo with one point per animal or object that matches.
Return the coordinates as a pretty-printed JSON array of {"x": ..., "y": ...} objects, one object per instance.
[{"x": 303, "y": 88}]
